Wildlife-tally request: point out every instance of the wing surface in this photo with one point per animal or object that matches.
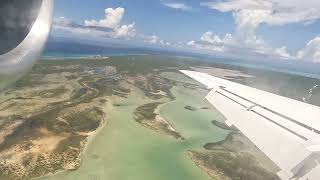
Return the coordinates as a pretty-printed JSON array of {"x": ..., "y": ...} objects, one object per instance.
[{"x": 286, "y": 130}]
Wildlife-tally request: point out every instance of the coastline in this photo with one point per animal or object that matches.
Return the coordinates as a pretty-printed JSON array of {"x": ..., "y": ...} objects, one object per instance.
[
  {"x": 87, "y": 143},
  {"x": 193, "y": 124},
  {"x": 170, "y": 124}
]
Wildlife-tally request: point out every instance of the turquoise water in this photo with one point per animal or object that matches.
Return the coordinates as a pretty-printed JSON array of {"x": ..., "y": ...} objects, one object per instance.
[{"x": 125, "y": 150}]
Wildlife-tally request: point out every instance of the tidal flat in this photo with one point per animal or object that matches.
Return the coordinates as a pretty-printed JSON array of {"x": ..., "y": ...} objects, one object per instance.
[{"x": 121, "y": 118}]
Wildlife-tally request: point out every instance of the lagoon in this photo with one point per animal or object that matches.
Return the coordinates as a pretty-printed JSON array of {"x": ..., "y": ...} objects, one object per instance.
[{"x": 125, "y": 150}]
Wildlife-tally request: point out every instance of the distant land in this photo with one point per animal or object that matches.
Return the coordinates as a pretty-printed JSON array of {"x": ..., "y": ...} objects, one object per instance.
[
  {"x": 133, "y": 117},
  {"x": 70, "y": 48}
]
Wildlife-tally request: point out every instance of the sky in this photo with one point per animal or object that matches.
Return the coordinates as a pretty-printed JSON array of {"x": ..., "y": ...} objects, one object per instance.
[{"x": 246, "y": 29}]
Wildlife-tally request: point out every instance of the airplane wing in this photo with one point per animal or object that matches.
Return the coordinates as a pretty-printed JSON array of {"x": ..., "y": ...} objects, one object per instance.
[{"x": 286, "y": 130}]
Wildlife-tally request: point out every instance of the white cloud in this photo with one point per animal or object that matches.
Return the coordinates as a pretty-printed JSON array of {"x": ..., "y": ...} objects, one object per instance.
[
  {"x": 273, "y": 12},
  {"x": 180, "y": 6},
  {"x": 209, "y": 41},
  {"x": 112, "y": 19},
  {"x": 311, "y": 51},
  {"x": 62, "y": 21},
  {"x": 125, "y": 31},
  {"x": 109, "y": 27},
  {"x": 176, "y": 5},
  {"x": 152, "y": 39},
  {"x": 191, "y": 43},
  {"x": 232, "y": 45},
  {"x": 155, "y": 40},
  {"x": 250, "y": 14},
  {"x": 165, "y": 43},
  {"x": 211, "y": 38},
  {"x": 282, "y": 53}
]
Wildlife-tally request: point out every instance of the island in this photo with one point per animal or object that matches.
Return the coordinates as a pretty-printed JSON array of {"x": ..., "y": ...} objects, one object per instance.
[{"x": 50, "y": 119}]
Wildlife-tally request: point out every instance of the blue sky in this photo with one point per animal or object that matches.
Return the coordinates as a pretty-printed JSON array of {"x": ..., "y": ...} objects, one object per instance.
[
  {"x": 152, "y": 17},
  {"x": 277, "y": 29}
]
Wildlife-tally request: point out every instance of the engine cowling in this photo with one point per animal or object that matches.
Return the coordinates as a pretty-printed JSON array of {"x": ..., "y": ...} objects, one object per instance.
[{"x": 24, "y": 30}]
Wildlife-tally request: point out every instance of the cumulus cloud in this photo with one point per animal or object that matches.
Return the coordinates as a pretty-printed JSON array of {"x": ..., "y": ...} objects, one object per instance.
[
  {"x": 273, "y": 12},
  {"x": 311, "y": 51},
  {"x": 176, "y": 5},
  {"x": 112, "y": 19},
  {"x": 155, "y": 40},
  {"x": 127, "y": 31},
  {"x": 110, "y": 26},
  {"x": 151, "y": 39},
  {"x": 282, "y": 52},
  {"x": 191, "y": 43},
  {"x": 250, "y": 14},
  {"x": 230, "y": 44},
  {"x": 165, "y": 43},
  {"x": 211, "y": 38},
  {"x": 62, "y": 21}
]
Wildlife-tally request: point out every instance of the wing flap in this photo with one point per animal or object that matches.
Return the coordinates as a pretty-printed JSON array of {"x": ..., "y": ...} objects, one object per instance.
[
  {"x": 277, "y": 143},
  {"x": 286, "y": 130}
]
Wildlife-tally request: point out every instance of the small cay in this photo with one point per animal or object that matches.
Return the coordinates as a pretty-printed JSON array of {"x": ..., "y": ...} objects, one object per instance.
[
  {"x": 148, "y": 117},
  {"x": 232, "y": 158}
]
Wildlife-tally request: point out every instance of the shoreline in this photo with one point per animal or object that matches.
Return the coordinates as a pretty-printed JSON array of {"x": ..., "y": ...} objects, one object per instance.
[
  {"x": 170, "y": 124},
  {"x": 89, "y": 57},
  {"x": 87, "y": 141},
  {"x": 242, "y": 64}
]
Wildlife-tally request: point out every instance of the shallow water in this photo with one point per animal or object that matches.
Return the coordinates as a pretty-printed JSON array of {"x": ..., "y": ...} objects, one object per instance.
[{"x": 125, "y": 150}]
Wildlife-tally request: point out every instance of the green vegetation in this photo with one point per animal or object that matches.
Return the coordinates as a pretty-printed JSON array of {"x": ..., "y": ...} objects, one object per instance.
[
  {"x": 85, "y": 121},
  {"x": 227, "y": 165},
  {"x": 74, "y": 141},
  {"x": 69, "y": 120},
  {"x": 69, "y": 96},
  {"x": 50, "y": 93},
  {"x": 234, "y": 157},
  {"x": 29, "y": 81},
  {"x": 146, "y": 112},
  {"x": 190, "y": 108},
  {"x": 146, "y": 116},
  {"x": 221, "y": 145},
  {"x": 153, "y": 85},
  {"x": 134, "y": 64}
]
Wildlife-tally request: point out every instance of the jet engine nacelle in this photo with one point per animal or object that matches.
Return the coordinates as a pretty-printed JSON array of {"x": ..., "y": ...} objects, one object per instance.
[{"x": 24, "y": 29}]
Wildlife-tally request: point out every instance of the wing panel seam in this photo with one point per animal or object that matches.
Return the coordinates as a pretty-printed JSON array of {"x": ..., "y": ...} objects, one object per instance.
[
  {"x": 261, "y": 115},
  {"x": 274, "y": 112}
]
